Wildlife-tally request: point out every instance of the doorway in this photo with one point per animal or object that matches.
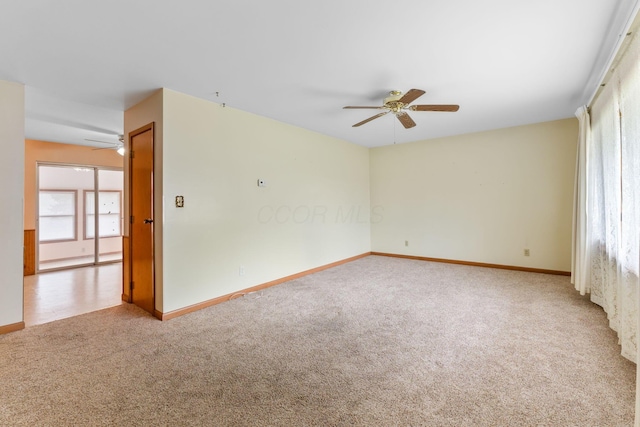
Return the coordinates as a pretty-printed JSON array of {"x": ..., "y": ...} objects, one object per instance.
[{"x": 80, "y": 219}]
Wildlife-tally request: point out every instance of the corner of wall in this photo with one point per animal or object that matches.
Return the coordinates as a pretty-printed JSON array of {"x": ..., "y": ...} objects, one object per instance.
[{"x": 12, "y": 116}]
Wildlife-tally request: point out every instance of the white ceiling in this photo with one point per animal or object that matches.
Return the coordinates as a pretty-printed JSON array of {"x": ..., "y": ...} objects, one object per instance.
[{"x": 505, "y": 62}]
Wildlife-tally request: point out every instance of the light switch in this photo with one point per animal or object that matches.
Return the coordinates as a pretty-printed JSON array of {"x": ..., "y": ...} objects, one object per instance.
[{"x": 179, "y": 202}]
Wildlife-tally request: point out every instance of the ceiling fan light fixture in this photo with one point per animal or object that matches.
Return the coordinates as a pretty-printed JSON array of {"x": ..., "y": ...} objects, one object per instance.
[{"x": 120, "y": 151}]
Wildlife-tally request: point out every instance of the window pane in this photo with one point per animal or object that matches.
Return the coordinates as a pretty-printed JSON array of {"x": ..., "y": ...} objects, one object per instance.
[
  {"x": 109, "y": 202},
  {"x": 89, "y": 202},
  {"x": 109, "y": 225},
  {"x": 57, "y": 219},
  {"x": 90, "y": 227},
  {"x": 109, "y": 210},
  {"x": 57, "y": 203},
  {"x": 57, "y": 228}
]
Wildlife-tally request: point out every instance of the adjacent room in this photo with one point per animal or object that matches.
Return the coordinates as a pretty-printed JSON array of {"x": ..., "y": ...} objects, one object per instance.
[
  {"x": 320, "y": 213},
  {"x": 67, "y": 271}
]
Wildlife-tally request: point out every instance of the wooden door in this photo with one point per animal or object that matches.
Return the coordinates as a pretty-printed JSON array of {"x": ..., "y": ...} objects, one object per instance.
[{"x": 142, "y": 291}]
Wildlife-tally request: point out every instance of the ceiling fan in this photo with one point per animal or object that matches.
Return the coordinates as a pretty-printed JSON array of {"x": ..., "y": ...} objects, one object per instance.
[
  {"x": 398, "y": 104},
  {"x": 118, "y": 146}
]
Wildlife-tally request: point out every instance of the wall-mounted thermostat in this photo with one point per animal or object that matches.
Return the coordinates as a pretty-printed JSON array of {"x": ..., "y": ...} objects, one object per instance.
[{"x": 179, "y": 202}]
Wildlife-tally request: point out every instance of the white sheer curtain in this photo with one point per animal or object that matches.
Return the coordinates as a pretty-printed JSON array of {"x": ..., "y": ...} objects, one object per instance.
[
  {"x": 606, "y": 246},
  {"x": 606, "y": 240},
  {"x": 629, "y": 78},
  {"x": 603, "y": 195},
  {"x": 629, "y": 255},
  {"x": 579, "y": 252}
]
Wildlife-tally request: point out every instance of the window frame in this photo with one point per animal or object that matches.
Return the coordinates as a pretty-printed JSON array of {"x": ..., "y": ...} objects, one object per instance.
[
  {"x": 85, "y": 214},
  {"x": 75, "y": 215}
]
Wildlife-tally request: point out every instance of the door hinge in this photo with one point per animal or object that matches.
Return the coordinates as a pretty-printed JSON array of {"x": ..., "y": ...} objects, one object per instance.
[
  {"x": 131, "y": 219},
  {"x": 131, "y": 286},
  {"x": 131, "y": 154}
]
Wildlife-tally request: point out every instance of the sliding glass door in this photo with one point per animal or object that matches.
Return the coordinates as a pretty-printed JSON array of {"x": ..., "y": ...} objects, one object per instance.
[{"x": 67, "y": 220}]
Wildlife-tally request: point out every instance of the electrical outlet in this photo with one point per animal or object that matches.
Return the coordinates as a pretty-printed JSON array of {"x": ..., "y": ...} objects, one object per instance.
[
  {"x": 179, "y": 201},
  {"x": 526, "y": 252},
  {"x": 406, "y": 243}
]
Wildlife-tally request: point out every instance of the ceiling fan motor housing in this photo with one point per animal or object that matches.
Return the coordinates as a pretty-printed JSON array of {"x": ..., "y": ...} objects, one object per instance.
[
  {"x": 394, "y": 96},
  {"x": 392, "y": 102}
]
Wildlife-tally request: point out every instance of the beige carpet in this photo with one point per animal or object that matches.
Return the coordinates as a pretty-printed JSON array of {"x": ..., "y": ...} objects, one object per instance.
[{"x": 376, "y": 342}]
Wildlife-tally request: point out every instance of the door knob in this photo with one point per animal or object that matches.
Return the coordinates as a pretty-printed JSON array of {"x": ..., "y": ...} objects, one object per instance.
[{"x": 148, "y": 221}]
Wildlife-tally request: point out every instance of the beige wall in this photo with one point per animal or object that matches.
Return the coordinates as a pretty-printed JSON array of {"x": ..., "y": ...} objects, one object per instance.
[
  {"x": 11, "y": 221},
  {"x": 213, "y": 156},
  {"x": 51, "y": 152},
  {"x": 313, "y": 211},
  {"x": 481, "y": 197}
]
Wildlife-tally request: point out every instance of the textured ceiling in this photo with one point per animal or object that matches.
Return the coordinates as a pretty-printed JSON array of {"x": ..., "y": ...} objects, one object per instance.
[{"x": 504, "y": 62}]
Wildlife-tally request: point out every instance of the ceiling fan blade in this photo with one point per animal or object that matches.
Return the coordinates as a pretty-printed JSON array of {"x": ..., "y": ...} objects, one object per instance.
[
  {"x": 375, "y": 108},
  {"x": 452, "y": 108},
  {"x": 411, "y": 96},
  {"x": 102, "y": 142},
  {"x": 369, "y": 119},
  {"x": 406, "y": 121}
]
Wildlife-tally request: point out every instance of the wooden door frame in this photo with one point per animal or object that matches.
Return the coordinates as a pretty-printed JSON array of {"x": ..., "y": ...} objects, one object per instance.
[{"x": 127, "y": 271}]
